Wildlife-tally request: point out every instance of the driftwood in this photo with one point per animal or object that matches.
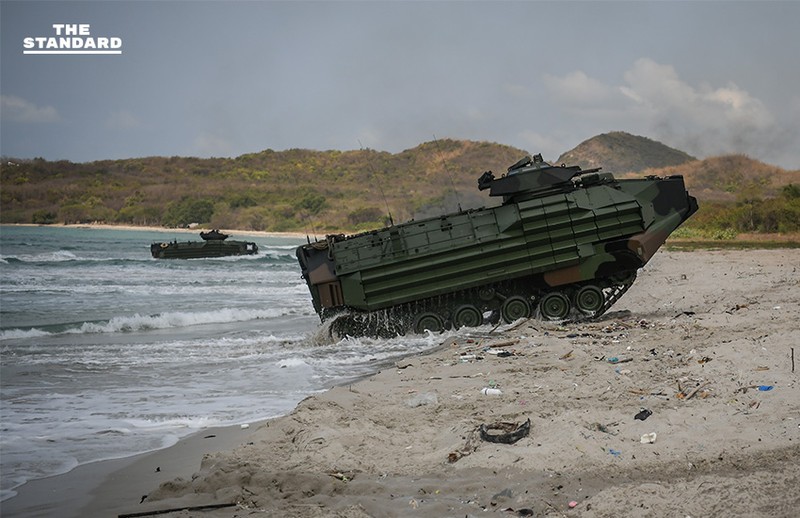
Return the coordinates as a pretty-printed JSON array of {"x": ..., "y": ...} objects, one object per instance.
[{"x": 176, "y": 509}]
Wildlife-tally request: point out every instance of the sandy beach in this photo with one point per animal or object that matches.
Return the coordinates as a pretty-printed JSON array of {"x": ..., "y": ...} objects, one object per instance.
[
  {"x": 195, "y": 231},
  {"x": 681, "y": 401}
]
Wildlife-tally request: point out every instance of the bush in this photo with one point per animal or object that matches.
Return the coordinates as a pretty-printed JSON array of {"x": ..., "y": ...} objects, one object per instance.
[
  {"x": 44, "y": 217},
  {"x": 188, "y": 210}
]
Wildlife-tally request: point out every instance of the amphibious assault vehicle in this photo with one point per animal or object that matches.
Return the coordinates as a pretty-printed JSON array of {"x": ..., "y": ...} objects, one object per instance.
[
  {"x": 565, "y": 243},
  {"x": 213, "y": 245}
]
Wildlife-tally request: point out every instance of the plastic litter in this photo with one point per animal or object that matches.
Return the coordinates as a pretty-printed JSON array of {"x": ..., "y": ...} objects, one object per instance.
[
  {"x": 491, "y": 391},
  {"x": 425, "y": 398},
  {"x": 573, "y": 504},
  {"x": 500, "y": 353},
  {"x": 648, "y": 438},
  {"x": 765, "y": 388},
  {"x": 643, "y": 414}
]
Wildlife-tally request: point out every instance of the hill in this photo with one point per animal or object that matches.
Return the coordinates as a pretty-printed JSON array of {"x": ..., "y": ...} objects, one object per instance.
[
  {"x": 730, "y": 177},
  {"x": 330, "y": 191},
  {"x": 292, "y": 190},
  {"x": 621, "y": 152}
]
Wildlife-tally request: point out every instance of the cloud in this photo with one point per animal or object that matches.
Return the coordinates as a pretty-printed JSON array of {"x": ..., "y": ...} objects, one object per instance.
[
  {"x": 578, "y": 88},
  {"x": 652, "y": 98},
  {"x": 550, "y": 146},
  {"x": 17, "y": 109}
]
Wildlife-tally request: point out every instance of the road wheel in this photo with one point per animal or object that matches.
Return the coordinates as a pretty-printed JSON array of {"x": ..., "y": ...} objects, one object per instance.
[
  {"x": 514, "y": 308},
  {"x": 589, "y": 299},
  {"x": 467, "y": 316},
  {"x": 428, "y": 321},
  {"x": 554, "y": 306}
]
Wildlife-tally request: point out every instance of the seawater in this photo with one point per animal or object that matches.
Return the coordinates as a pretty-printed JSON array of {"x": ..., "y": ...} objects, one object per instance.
[{"x": 106, "y": 352}]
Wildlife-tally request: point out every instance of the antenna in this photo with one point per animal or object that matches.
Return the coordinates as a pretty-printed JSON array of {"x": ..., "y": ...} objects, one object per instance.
[
  {"x": 447, "y": 170},
  {"x": 391, "y": 221},
  {"x": 310, "y": 223}
]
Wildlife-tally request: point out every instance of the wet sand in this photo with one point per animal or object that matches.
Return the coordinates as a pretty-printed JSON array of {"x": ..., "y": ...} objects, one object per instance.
[{"x": 699, "y": 349}]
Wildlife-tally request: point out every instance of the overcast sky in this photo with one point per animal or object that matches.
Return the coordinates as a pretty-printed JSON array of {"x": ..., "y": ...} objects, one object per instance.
[{"x": 227, "y": 78}]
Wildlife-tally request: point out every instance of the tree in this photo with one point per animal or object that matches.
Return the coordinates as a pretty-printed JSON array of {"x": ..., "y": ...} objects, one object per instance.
[{"x": 187, "y": 211}]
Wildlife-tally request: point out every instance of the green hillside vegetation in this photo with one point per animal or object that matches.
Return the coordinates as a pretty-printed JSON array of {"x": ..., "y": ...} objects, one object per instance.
[
  {"x": 333, "y": 191},
  {"x": 293, "y": 190},
  {"x": 739, "y": 195}
]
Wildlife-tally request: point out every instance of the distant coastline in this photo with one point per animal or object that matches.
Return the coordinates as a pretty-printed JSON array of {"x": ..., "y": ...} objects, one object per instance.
[{"x": 105, "y": 226}]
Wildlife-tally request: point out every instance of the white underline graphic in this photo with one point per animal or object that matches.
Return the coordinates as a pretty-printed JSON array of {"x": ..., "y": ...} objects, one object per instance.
[{"x": 72, "y": 52}]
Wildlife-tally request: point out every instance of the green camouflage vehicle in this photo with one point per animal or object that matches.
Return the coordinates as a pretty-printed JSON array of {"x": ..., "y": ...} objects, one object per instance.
[
  {"x": 213, "y": 245},
  {"x": 565, "y": 243}
]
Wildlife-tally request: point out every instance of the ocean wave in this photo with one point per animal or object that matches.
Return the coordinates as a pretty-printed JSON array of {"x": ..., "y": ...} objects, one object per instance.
[
  {"x": 11, "y": 334},
  {"x": 57, "y": 256},
  {"x": 230, "y": 288},
  {"x": 269, "y": 256},
  {"x": 137, "y": 322}
]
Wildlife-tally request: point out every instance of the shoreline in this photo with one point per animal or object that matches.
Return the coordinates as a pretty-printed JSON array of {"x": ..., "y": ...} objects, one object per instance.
[
  {"x": 744, "y": 240},
  {"x": 104, "y": 226},
  {"x": 94, "y": 488},
  {"x": 693, "y": 342}
]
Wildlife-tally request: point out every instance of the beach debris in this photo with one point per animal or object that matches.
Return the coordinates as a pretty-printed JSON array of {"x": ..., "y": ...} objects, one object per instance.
[
  {"x": 502, "y": 496},
  {"x": 491, "y": 391},
  {"x": 643, "y": 414},
  {"x": 467, "y": 357},
  {"x": 344, "y": 476},
  {"x": 704, "y": 359},
  {"x": 648, "y": 438},
  {"x": 468, "y": 448},
  {"x": 505, "y": 343},
  {"x": 500, "y": 353},
  {"x": 567, "y": 356},
  {"x": 144, "y": 497},
  {"x": 615, "y": 453},
  {"x": 573, "y": 504},
  {"x": 737, "y": 307},
  {"x": 686, "y": 396},
  {"x": 760, "y": 388},
  {"x": 505, "y": 432},
  {"x": 402, "y": 366},
  {"x": 244, "y": 426},
  {"x": 614, "y": 360},
  {"x": 422, "y": 399},
  {"x": 177, "y": 509},
  {"x": 599, "y": 427}
]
